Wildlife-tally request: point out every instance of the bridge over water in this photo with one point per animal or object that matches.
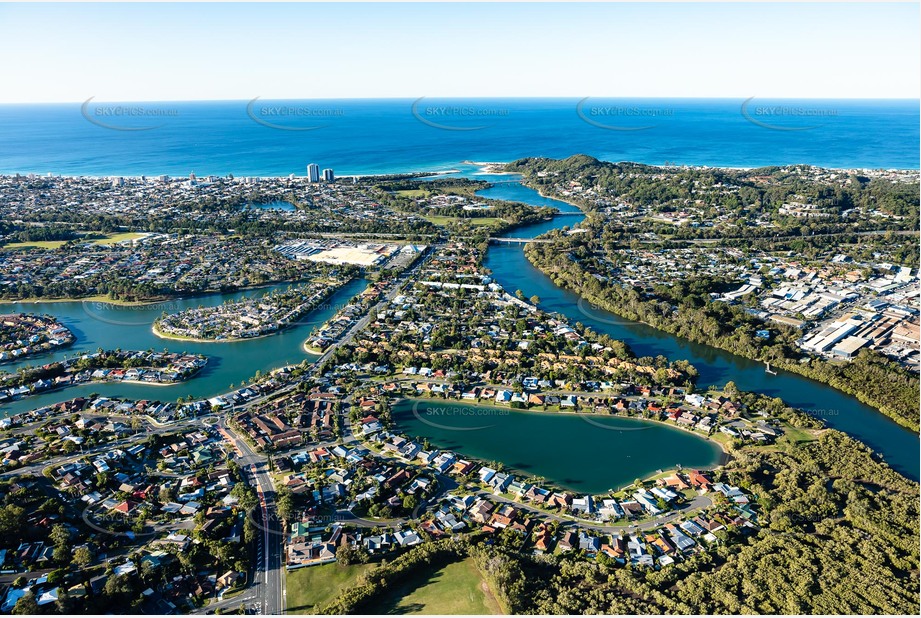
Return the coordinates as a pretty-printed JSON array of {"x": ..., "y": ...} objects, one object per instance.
[{"x": 520, "y": 241}]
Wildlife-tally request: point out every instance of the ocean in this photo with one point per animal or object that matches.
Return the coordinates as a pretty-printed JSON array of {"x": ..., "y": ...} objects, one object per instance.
[{"x": 278, "y": 138}]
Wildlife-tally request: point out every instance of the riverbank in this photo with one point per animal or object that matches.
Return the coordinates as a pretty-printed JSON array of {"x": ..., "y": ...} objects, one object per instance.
[
  {"x": 574, "y": 285},
  {"x": 247, "y": 318},
  {"x": 888, "y": 389},
  {"x": 574, "y": 413},
  {"x": 103, "y": 299},
  {"x": 310, "y": 349},
  {"x": 57, "y": 389}
]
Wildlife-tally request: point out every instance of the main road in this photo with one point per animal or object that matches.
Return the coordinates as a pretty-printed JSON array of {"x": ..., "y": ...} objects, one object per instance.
[{"x": 269, "y": 577}]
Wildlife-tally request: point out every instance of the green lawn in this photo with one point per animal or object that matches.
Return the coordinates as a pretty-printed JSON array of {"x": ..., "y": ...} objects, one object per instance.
[
  {"x": 114, "y": 238},
  {"x": 54, "y": 244},
  {"x": 413, "y": 193},
  {"x": 454, "y": 589},
  {"x": 441, "y": 220},
  {"x": 35, "y": 244},
  {"x": 310, "y": 587}
]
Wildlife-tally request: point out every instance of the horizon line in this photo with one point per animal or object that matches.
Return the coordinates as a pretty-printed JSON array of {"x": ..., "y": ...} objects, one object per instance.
[
  {"x": 441, "y": 172},
  {"x": 474, "y": 98}
]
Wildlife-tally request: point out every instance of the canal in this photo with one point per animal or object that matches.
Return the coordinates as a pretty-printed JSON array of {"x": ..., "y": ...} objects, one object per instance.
[{"x": 109, "y": 326}]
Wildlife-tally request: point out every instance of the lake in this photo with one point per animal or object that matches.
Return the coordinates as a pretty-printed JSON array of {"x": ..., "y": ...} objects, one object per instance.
[{"x": 580, "y": 452}]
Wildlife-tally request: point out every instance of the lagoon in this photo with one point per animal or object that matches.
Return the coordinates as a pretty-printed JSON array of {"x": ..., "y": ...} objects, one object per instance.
[{"x": 580, "y": 452}]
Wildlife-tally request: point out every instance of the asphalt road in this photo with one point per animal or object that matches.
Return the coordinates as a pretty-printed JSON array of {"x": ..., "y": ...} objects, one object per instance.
[
  {"x": 269, "y": 578},
  {"x": 695, "y": 504}
]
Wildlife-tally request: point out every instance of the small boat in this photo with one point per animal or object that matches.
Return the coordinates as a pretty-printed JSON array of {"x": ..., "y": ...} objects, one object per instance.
[{"x": 767, "y": 368}]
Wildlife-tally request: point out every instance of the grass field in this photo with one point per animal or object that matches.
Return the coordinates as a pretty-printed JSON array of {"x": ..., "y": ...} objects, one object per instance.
[
  {"x": 35, "y": 244},
  {"x": 447, "y": 190},
  {"x": 414, "y": 193},
  {"x": 440, "y": 220},
  {"x": 54, "y": 244},
  {"x": 455, "y": 589},
  {"x": 310, "y": 587},
  {"x": 114, "y": 238}
]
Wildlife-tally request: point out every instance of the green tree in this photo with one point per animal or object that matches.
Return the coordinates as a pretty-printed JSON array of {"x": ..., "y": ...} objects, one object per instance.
[
  {"x": 83, "y": 556},
  {"x": 27, "y": 605}
]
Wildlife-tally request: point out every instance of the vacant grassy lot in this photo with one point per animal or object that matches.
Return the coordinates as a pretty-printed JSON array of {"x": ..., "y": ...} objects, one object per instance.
[
  {"x": 413, "y": 193},
  {"x": 313, "y": 586},
  {"x": 457, "y": 588}
]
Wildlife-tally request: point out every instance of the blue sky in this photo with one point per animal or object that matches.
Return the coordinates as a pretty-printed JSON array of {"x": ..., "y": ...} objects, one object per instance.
[{"x": 169, "y": 52}]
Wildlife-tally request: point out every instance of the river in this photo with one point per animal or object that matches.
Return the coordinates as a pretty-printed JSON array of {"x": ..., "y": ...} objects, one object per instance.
[{"x": 511, "y": 269}]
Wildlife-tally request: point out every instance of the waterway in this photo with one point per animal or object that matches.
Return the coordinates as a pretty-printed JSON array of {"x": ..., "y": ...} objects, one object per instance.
[
  {"x": 109, "y": 326},
  {"x": 511, "y": 269},
  {"x": 128, "y": 327},
  {"x": 583, "y": 453}
]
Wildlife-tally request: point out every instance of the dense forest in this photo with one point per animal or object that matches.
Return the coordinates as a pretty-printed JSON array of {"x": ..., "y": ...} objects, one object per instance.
[{"x": 737, "y": 195}]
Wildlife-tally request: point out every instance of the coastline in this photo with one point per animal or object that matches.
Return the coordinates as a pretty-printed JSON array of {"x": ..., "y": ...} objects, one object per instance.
[
  {"x": 442, "y": 172},
  {"x": 312, "y": 350},
  {"x": 162, "y": 335}
]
